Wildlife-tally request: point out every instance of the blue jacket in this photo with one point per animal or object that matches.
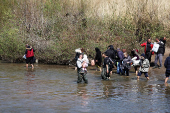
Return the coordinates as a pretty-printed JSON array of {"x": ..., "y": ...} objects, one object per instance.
[
  {"x": 167, "y": 63},
  {"x": 120, "y": 55}
]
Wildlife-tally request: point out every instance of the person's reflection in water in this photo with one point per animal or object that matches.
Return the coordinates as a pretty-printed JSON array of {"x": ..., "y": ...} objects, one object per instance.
[
  {"x": 106, "y": 90},
  {"x": 29, "y": 80},
  {"x": 82, "y": 92}
]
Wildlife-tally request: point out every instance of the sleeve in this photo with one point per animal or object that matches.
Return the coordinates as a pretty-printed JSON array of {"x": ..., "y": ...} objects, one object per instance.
[
  {"x": 107, "y": 61},
  {"x": 25, "y": 51},
  {"x": 143, "y": 44},
  {"x": 129, "y": 59}
]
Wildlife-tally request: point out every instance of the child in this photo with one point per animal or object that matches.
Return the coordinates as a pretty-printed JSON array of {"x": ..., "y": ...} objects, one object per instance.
[
  {"x": 144, "y": 67},
  {"x": 85, "y": 65},
  {"x": 126, "y": 64}
]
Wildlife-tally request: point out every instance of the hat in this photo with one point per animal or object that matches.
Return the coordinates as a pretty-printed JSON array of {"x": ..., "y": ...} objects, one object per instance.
[{"x": 143, "y": 55}]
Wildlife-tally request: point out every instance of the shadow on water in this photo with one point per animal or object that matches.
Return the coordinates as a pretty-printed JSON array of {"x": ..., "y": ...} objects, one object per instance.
[{"x": 52, "y": 88}]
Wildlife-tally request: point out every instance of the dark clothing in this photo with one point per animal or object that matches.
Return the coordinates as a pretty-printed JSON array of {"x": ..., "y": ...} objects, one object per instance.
[
  {"x": 125, "y": 64},
  {"x": 81, "y": 76},
  {"x": 148, "y": 47},
  {"x": 111, "y": 52},
  {"x": 161, "y": 48},
  {"x": 30, "y": 60},
  {"x": 164, "y": 41},
  {"x": 148, "y": 56},
  {"x": 148, "y": 51},
  {"x": 126, "y": 70},
  {"x": 120, "y": 55},
  {"x": 145, "y": 73},
  {"x": 98, "y": 57},
  {"x": 76, "y": 56},
  {"x": 167, "y": 73},
  {"x": 104, "y": 73},
  {"x": 106, "y": 62},
  {"x": 167, "y": 63}
]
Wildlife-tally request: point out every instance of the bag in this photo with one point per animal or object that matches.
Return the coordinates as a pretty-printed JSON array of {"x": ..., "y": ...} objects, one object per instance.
[
  {"x": 155, "y": 47},
  {"x": 135, "y": 62},
  {"x": 92, "y": 63},
  {"x": 24, "y": 57}
]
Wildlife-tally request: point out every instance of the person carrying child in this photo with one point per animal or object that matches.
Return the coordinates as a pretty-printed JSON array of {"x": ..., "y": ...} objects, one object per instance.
[{"x": 144, "y": 67}]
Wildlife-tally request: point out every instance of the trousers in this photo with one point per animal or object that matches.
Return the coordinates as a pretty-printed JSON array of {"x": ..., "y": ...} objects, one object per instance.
[{"x": 158, "y": 57}]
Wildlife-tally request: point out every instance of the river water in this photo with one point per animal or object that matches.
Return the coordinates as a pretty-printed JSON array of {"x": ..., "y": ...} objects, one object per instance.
[{"x": 53, "y": 89}]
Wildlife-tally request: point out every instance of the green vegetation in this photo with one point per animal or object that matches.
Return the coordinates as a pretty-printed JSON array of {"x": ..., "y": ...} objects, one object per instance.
[{"x": 55, "y": 28}]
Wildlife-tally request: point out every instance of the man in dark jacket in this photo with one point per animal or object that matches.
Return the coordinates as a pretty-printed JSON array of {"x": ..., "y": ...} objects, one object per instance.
[
  {"x": 111, "y": 54},
  {"x": 148, "y": 49},
  {"x": 105, "y": 74},
  {"x": 167, "y": 66},
  {"x": 159, "y": 54},
  {"x": 164, "y": 41}
]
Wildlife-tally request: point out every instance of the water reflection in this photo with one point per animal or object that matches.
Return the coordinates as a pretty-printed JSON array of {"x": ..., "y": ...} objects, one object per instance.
[
  {"x": 84, "y": 101},
  {"x": 50, "y": 88},
  {"x": 30, "y": 82}
]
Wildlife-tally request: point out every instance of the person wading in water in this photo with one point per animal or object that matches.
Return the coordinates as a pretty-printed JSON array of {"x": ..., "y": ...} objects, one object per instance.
[
  {"x": 29, "y": 56},
  {"x": 80, "y": 72}
]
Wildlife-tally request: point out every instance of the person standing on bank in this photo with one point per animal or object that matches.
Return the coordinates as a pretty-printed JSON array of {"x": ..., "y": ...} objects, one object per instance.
[
  {"x": 164, "y": 41},
  {"x": 98, "y": 58},
  {"x": 80, "y": 72},
  {"x": 167, "y": 66},
  {"x": 148, "y": 49},
  {"x": 144, "y": 67},
  {"x": 29, "y": 56},
  {"x": 159, "y": 54}
]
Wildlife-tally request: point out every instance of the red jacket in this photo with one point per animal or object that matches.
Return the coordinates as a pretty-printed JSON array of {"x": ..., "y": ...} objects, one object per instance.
[
  {"x": 30, "y": 53},
  {"x": 144, "y": 44}
]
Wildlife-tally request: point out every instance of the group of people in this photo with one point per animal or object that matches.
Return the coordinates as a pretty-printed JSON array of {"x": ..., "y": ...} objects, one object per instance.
[{"x": 123, "y": 62}]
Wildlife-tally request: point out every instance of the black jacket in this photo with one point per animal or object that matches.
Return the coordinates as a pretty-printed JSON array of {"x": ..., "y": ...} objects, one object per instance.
[
  {"x": 167, "y": 63},
  {"x": 98, "y": 55},
  {"x": 161, "y": 48},
  {"x": 164, "y": 41},
  {"x": 111, "y": 52}
]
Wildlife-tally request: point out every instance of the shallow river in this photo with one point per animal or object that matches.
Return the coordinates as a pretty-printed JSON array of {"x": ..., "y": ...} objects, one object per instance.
[{"x": 53, "y": 89}]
